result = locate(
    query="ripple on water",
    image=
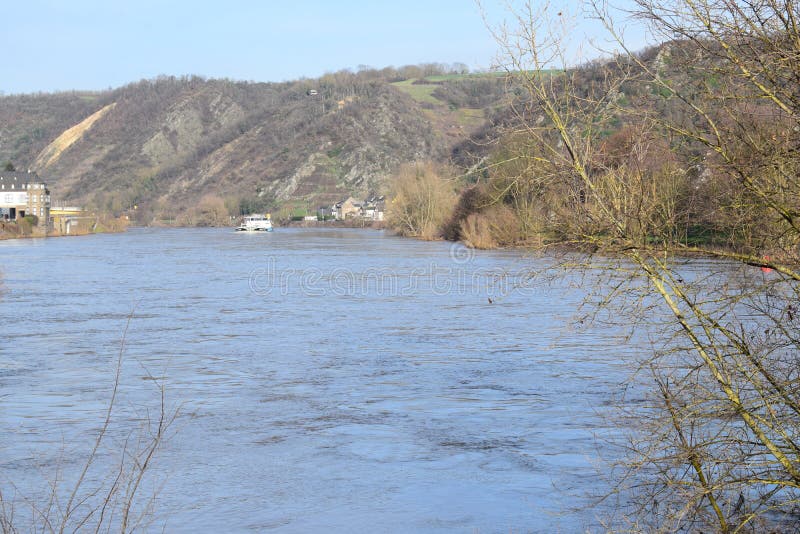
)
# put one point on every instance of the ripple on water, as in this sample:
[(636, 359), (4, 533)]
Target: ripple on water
[(308, 410)]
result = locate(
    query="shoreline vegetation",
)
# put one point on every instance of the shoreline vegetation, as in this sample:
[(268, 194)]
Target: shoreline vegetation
[(518, 201), (637, 187), (472, 233)]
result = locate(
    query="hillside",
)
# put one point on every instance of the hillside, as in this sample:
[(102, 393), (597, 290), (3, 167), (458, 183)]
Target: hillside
[(169, 144)]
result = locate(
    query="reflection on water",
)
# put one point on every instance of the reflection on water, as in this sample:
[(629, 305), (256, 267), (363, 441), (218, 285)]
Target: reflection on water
[(328, 379)]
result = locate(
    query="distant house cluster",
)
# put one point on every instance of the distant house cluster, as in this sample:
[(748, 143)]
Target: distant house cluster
[(23, 194), (370, 209)]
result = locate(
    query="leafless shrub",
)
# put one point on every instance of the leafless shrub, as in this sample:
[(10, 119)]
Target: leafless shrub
[(422, 200), (102, 497), (475, 232)]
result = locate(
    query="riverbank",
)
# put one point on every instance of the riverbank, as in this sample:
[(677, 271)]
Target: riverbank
[(349, 223), (102, 225)]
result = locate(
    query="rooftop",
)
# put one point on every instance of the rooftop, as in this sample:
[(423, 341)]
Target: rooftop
[(19, 179)]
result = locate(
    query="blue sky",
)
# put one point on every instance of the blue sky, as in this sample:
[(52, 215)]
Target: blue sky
[(50, 45)]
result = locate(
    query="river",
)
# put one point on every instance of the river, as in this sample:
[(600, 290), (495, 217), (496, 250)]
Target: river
[(325, 380)]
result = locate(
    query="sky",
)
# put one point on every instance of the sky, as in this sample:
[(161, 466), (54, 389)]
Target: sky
[(58, 45)]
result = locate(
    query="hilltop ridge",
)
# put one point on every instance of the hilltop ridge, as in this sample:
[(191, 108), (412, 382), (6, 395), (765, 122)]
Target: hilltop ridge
[(169, 144)]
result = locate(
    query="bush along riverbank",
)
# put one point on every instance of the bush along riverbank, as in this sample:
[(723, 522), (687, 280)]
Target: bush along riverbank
[(636, 190)]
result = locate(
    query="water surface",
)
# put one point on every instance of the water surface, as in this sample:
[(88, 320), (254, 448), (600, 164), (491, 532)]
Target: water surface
[(336, 380)]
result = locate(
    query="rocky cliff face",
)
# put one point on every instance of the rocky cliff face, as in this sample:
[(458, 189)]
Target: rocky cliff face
[(165, 144)]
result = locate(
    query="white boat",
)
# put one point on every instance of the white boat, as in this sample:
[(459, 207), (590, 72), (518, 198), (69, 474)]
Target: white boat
[(255, 223)]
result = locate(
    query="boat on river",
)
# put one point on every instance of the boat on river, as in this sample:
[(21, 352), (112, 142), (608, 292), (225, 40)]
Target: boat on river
[(255, 223)]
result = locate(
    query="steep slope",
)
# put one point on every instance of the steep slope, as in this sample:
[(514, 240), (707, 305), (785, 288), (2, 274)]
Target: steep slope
[(301, 152), (28, 123), (164, 145), (51, 153)]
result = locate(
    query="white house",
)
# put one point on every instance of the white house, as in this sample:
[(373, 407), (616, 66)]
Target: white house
[(23, 194)]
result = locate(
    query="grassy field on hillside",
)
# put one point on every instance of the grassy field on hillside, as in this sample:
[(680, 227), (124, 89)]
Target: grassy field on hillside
[(419, 92), (451, 77), (423, 92)]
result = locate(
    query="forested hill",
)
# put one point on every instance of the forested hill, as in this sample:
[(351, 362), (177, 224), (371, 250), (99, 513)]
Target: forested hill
[(169, 144)]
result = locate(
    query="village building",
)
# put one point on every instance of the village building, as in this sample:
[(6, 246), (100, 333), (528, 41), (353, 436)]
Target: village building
[(347, 208), (24, 193), (371, 209), (374, 208)]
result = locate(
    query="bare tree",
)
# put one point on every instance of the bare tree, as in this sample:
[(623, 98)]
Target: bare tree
[(719, 443)]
